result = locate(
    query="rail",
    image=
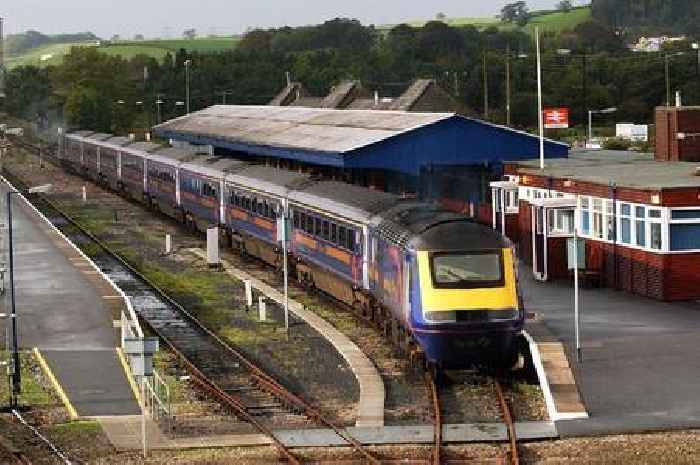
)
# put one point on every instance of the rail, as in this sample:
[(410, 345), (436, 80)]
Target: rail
[(508, 419)]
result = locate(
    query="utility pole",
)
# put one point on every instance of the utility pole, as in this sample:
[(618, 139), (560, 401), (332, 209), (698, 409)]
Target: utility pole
[(584, 78), (539, 96), (2, 59), (508, 85), (668, 80), (187, 84), (486, 89)]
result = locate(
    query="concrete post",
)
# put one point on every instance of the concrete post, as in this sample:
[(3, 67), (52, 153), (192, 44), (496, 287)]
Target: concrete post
[(213, 247), (168, 244), (262, 308), (248, 292), (84, 194)]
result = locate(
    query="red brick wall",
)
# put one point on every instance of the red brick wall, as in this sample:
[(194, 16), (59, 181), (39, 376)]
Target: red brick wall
[(671, 121)]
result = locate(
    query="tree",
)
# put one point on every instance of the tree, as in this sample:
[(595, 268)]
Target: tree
[(565, 5), (515, 13), (189, 33)]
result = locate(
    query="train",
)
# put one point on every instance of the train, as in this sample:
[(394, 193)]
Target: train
[(441, 286)]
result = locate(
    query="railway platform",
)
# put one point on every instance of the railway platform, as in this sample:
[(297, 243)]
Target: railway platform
[(66, 310), (640, 368)]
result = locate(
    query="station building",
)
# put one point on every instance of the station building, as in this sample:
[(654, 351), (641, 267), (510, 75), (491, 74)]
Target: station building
[(439, 156), (638, 213)]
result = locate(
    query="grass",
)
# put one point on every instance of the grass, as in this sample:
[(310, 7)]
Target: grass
[(34, 392), (557, 21), (53, 54), (43, 56)]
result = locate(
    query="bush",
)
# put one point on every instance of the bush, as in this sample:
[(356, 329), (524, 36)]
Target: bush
[(617, 143)]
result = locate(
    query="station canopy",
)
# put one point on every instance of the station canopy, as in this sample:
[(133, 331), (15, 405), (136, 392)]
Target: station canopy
[(394, 140)]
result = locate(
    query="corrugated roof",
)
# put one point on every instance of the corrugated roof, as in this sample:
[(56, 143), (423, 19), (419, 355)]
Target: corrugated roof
[(321, 130)]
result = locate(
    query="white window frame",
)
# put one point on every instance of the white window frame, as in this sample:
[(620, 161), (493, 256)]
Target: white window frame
[(664, 221), (670, 221)]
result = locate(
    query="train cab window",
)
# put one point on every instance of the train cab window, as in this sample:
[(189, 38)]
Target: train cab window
[(326, 230), (467, 270), (334, 233)]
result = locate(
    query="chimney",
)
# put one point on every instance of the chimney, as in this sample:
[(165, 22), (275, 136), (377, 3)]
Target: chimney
[(376, 98)]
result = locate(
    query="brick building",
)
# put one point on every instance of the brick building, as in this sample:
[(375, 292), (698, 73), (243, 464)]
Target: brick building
[(640, 218)]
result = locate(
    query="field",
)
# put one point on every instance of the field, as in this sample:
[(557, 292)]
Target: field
[(549, 21), (53, 54), (42, 56)]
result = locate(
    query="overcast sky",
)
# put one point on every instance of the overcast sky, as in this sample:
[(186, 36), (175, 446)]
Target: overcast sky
[(155, 18)]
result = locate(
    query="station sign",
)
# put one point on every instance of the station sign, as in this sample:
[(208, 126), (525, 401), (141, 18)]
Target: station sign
[(556, 118)]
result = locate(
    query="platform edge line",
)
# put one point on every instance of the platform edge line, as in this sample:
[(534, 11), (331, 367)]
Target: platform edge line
[(72, 413), (542, 376), (129, 376)]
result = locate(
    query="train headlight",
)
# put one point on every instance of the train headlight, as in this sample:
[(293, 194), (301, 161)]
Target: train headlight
[(441, 317)]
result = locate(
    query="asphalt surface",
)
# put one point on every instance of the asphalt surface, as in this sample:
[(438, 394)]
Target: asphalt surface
[(640, 367), (60, 312)]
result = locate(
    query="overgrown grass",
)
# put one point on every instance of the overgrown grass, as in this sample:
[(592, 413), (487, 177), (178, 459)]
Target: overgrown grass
[(34, 392)]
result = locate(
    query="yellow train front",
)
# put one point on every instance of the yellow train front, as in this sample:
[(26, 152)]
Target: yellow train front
[(455, 290)]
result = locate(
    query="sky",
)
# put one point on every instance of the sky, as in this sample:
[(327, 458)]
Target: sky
[(160, 18)]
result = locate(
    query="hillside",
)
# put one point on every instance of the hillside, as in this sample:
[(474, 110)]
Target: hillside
[(52, 54), (550, 21)]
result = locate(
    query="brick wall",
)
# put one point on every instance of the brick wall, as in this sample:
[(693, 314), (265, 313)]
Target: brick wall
[(669, 122)]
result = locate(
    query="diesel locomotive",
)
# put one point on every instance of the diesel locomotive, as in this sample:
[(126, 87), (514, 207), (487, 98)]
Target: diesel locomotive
[(440, 285)]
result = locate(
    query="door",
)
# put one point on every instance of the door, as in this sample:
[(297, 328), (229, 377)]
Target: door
[(539, 241)]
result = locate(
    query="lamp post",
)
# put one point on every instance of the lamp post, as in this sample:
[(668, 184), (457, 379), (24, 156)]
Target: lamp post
[(606, 111), (159, 102), (15, 365), (667, 62), (187, 84)]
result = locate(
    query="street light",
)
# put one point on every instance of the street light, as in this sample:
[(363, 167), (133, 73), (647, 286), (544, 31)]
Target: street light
[(187, 83), (605, 111), (667, 60), (15, 365)]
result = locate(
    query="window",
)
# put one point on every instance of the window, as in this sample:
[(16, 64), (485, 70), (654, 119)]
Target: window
[(467, 270), (685, 237), (326, 230), (295, 216), (342, 236), (625, 223), (334, 233), (319, 228), (610, 220), (640, 226), (585, 216), (598, 218), (655, 233), (685, 214), (561, 221)]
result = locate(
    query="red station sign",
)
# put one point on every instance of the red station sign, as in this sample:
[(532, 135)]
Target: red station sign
[(556, 118)]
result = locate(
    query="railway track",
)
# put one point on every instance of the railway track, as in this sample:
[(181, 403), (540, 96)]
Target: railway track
[(234, 397), (437, 458), (221, 371)]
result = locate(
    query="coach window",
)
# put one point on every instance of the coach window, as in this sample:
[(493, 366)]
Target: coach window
[(342, 236), (334, 233), (319, 227), (326, 230)]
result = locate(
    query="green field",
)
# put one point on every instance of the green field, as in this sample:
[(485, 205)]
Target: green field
[(549, 22), (42, 56), (53, 54)]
